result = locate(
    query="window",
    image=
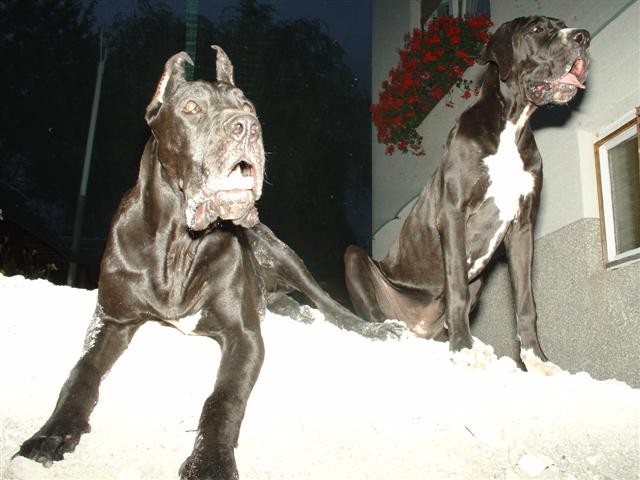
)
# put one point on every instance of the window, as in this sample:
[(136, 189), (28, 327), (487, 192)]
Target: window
[(618, 178), (457, 8)]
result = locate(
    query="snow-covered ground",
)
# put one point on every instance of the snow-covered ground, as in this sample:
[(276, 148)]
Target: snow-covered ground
[(328, 405)]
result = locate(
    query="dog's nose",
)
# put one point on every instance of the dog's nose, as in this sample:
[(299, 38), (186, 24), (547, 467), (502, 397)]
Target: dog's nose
[(244, 126), (581, 37)]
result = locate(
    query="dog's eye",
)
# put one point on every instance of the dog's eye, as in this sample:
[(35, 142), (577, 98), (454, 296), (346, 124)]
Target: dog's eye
[(537, 29), (191, 107), (247, 107)]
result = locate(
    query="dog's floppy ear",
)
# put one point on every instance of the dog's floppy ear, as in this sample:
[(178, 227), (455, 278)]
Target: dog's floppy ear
[(224, 69), (499, 50), (172, 76)]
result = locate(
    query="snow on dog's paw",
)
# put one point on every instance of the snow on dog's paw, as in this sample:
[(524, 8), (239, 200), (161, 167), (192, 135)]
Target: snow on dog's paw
[(536, 365), (399, 328), (479, 356), (389, 330)]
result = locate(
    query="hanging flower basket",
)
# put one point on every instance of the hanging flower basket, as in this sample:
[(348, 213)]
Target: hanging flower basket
[(433, 60)]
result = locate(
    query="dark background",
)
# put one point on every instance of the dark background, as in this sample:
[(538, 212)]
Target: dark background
[(312, 105)]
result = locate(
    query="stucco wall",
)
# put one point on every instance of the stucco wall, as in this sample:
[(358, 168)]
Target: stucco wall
[(588, 317)]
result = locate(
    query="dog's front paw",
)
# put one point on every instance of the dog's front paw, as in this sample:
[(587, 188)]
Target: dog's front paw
[(387, 330), (479, 356), (52, 442), (217, 465), (535, 364)]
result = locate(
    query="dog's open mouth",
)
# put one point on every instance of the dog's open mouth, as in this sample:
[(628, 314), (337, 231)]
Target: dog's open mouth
[(575, 75), (241, 177), (563, 88), (231, 197)]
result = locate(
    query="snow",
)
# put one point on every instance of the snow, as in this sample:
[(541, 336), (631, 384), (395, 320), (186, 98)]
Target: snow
[(328, 405)]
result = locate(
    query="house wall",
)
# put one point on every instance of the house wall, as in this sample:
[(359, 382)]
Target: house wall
[(395, 179), (588, 316)]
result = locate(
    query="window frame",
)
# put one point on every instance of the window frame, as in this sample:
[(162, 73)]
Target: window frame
[(611, 258), (430, 9)]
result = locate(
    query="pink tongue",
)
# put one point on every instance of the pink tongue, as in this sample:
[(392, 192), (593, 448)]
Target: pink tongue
[(571, 79)]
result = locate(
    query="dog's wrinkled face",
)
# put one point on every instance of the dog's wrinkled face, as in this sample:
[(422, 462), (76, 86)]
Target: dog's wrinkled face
[(210, 140), (541, 57)]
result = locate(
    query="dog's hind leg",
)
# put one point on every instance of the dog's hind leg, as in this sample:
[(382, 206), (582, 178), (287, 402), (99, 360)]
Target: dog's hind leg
[(105, 342), (357, 274)]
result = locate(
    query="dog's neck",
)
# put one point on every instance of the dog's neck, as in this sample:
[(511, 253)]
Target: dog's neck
[(515, 108), (156, 197)]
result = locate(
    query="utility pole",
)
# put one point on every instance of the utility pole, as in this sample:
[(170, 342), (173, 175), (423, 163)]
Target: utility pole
[(191, 34), (82, 195)]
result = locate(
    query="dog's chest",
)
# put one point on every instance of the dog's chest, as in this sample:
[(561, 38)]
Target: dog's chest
[(508, 181)]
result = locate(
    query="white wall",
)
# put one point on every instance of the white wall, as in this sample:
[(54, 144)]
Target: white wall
[(613, 89), (397, 178)]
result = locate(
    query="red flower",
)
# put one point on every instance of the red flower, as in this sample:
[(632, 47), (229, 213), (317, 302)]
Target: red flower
[(432, 40), (432, 62), (452, 30), (430, 56), (480, 22)]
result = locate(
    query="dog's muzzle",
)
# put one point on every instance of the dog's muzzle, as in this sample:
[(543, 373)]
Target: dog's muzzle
[(231, 192), (564, 86)]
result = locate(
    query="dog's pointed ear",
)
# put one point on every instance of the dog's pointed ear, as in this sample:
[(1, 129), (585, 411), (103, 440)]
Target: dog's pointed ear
[(172, 76), (224, 69), (499, 50)]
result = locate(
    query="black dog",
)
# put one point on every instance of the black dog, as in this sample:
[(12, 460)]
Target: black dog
[(186, 248), (484, 192)]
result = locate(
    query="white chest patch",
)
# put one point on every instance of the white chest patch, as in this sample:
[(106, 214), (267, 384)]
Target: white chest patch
[(508, 179), (188, 324), (508, 183)]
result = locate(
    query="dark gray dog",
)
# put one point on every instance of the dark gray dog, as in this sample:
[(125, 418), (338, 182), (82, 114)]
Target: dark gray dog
[(186, 248), (484, 192)]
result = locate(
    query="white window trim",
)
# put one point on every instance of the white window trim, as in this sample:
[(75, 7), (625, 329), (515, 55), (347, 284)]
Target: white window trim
[(612, 139)]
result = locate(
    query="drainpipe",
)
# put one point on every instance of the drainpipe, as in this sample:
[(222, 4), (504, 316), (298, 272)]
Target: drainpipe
[(82, 195)]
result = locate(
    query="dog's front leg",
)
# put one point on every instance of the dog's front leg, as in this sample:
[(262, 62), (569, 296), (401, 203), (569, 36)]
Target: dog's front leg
[(456, 291), (519, 247), (105, 342), (283, 269), (222, 414)]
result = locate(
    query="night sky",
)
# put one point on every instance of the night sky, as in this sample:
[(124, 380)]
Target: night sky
[(348, 21)]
